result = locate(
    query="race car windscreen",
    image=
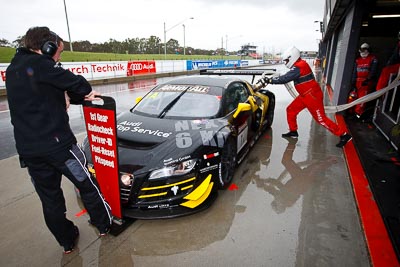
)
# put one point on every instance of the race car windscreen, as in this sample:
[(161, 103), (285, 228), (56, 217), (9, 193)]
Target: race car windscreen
[(181, 101)]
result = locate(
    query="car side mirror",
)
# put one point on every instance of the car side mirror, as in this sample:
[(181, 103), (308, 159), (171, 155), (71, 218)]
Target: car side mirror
[(241, 107), (252, 102)]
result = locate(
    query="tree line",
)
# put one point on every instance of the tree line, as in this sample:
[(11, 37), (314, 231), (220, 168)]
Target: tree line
[(151, 45)]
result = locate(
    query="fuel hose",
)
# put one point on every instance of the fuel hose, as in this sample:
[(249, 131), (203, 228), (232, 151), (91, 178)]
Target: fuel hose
[(364, 99)]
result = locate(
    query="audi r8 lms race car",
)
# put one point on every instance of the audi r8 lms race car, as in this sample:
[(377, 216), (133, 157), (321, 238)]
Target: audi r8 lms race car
[(179, 145)]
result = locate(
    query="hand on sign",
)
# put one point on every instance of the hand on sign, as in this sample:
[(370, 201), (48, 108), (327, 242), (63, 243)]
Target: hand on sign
[(92, 96)]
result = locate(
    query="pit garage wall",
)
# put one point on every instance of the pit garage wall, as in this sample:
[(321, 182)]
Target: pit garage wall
[(341, 54), (117, 69), (342, 40)]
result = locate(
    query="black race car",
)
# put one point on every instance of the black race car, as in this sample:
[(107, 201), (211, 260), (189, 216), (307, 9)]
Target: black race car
[(181, 142)]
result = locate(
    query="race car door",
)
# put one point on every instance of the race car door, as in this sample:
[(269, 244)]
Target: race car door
[(235, 94)]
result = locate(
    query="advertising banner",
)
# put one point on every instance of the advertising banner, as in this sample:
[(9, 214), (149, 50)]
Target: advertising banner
[(3, 68), (140, 67), (100, 120), (98, 70), (212, 64)]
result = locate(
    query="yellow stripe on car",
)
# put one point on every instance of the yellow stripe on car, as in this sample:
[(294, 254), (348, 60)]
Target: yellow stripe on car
[(168, 185), (153, 195)]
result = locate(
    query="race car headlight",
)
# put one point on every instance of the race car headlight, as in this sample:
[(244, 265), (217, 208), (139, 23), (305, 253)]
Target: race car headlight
[(175, 169), (126, 178)]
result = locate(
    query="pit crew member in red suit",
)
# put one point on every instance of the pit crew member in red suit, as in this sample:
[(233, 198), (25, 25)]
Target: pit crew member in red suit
[(364, 75), (310, 96)]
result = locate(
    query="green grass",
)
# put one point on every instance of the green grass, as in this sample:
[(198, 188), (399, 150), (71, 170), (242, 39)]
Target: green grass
[(6, 54)]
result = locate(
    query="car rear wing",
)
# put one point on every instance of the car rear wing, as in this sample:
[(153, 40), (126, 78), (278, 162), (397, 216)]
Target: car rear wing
[(253, 72)]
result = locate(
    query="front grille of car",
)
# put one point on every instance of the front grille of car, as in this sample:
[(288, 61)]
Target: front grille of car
[(125, 192), (168, 189)]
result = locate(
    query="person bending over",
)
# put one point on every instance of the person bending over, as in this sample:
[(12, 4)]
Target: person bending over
[(310, 96)]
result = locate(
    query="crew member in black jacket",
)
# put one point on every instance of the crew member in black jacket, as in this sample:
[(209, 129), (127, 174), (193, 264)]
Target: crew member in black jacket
[(39, 91)]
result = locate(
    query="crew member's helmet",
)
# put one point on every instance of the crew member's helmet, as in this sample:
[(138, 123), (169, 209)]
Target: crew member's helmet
[(290, 56), (364, 50), (364, 46)]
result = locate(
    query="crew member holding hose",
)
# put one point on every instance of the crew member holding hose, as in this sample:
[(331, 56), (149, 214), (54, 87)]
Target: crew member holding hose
[(310, 96)]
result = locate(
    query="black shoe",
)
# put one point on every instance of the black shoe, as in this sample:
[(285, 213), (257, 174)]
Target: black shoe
[(105, 231), (344, 138), (69, 248), (291, 134)]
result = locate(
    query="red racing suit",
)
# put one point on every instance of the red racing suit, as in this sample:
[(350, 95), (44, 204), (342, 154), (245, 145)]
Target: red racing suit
[(310, 97), (364, 74), (384, 78)]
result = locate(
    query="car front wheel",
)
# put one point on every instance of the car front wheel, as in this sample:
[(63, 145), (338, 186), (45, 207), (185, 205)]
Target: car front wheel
[(228, 163), (270, 111)]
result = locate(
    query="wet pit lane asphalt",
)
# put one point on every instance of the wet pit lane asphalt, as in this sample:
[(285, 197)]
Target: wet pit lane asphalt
[(291, 205)]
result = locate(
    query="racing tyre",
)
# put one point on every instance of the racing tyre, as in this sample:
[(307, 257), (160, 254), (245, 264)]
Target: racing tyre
[(269, 117), (228, 163)]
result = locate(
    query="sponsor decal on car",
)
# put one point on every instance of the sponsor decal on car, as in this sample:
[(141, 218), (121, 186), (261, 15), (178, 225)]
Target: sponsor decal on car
[(135, 127), (183, 128), (188, 88), (242, 136), (173, 161), (175, 189), (208, 136), (158, 206), (210, 156), (209, 168)]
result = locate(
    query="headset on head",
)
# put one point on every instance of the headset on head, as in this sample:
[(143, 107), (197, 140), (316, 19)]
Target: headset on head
[(50, 47)]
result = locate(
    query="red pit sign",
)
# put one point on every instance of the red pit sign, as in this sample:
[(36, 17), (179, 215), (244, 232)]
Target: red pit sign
[(101, 131)]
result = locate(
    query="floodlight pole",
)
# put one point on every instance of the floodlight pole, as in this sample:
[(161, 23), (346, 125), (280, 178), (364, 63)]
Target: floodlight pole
[(69, 35), (184, 45), (165, 42), (165, 35)]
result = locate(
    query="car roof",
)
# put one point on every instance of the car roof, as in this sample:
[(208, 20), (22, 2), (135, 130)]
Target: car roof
[(208, 80)]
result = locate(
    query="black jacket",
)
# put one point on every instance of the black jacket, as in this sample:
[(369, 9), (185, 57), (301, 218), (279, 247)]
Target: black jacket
[(35, 87)]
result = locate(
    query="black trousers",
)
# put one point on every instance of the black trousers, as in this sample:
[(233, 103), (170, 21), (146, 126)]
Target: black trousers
[(46, 173)]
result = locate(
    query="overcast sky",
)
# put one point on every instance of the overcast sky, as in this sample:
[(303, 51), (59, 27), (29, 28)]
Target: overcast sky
[(271, 25)]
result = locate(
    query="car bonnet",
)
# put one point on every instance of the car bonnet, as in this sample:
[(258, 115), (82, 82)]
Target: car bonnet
[(154, 139)]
